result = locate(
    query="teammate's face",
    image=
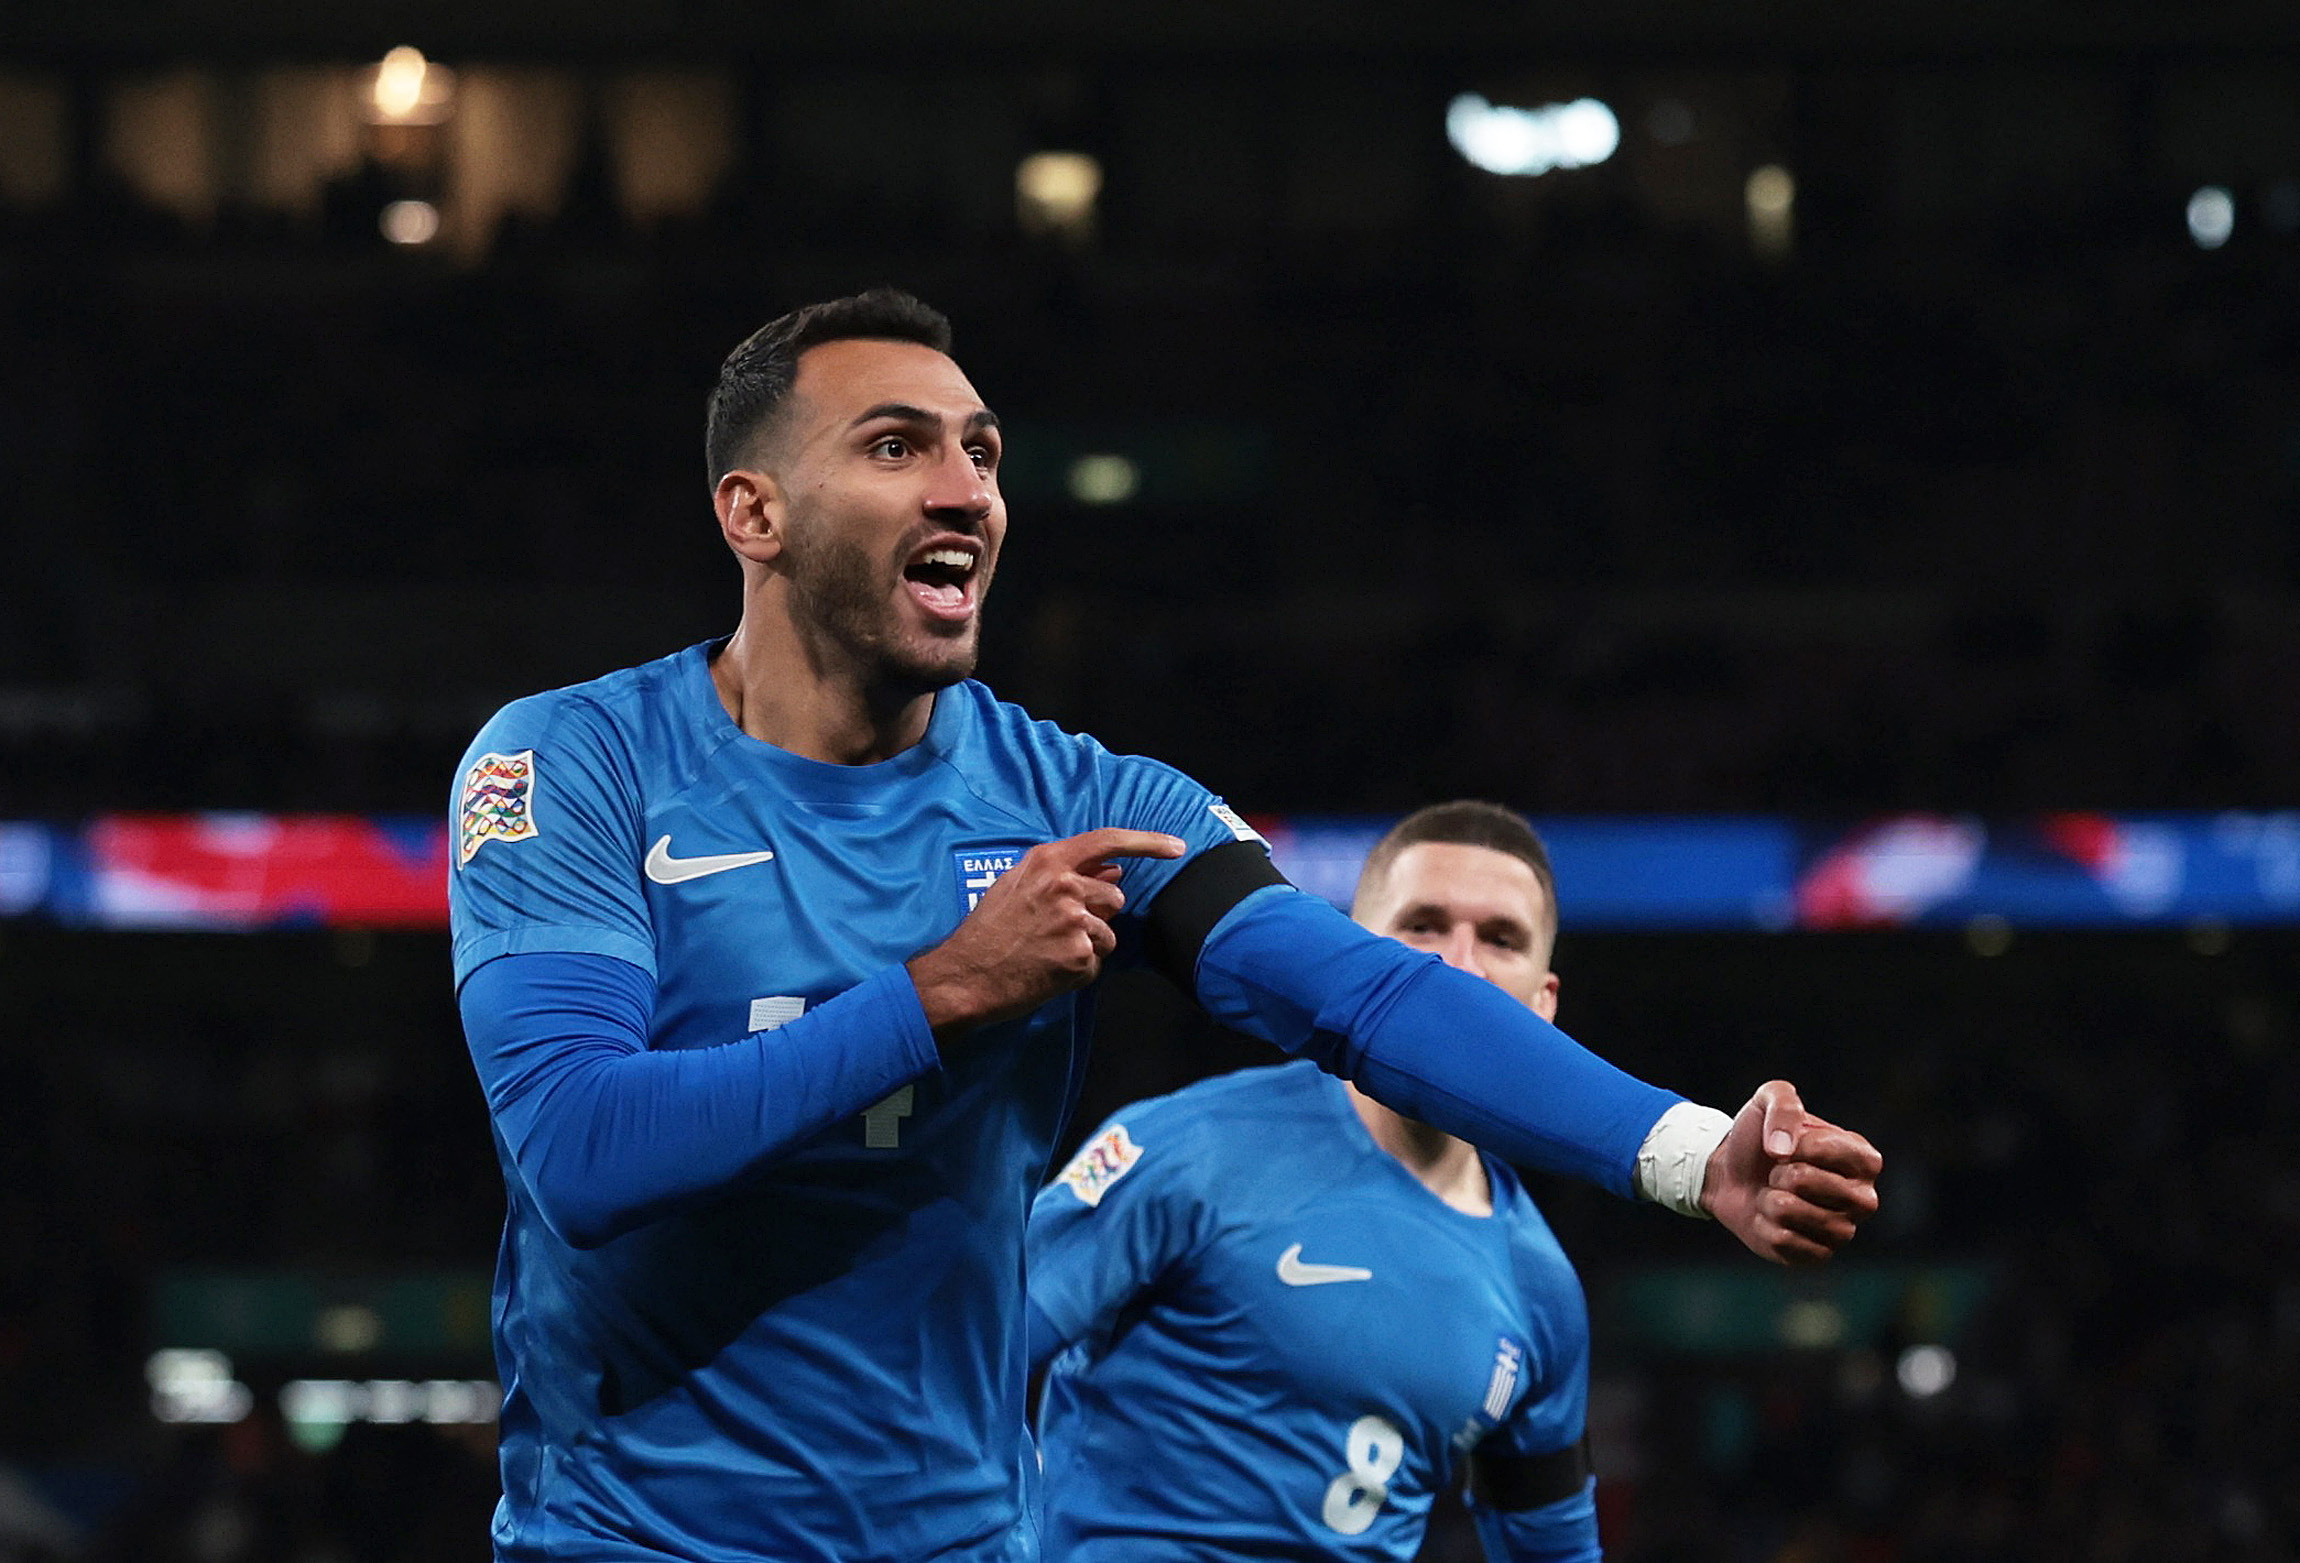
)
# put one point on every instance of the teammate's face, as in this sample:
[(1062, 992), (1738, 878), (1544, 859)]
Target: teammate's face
[(1477, 909), (892, 515)]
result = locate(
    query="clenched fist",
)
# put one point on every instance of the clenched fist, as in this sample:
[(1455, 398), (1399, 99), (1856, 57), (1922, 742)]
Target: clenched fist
[(1790, 1185)]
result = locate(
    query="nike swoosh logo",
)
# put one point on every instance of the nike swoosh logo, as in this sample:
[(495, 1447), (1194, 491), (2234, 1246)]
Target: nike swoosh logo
[(665, 869), (1294, 1272)]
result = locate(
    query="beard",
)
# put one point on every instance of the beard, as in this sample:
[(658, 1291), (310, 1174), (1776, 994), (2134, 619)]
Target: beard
[(846, 612)]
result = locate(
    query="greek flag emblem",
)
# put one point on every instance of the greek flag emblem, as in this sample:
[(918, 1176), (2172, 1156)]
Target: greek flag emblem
[(978, 868)]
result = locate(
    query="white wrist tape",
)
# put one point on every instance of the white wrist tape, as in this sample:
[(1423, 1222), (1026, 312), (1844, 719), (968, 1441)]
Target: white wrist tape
[(1673, 1162)]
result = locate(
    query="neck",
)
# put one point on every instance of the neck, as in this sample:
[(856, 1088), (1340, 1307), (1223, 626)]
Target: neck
[(1447, 1167), (811, 698)]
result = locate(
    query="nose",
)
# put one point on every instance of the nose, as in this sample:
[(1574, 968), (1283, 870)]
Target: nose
[(1460, 950), (958, 492)]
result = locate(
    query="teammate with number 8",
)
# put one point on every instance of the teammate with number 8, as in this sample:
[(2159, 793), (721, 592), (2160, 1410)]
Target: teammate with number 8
[(1292, 1314)]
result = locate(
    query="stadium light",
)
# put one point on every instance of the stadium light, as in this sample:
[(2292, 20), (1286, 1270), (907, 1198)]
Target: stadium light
[(1104, 480), (1771, 197), (348, 1327), (1925, 1371), (410, 222), (2211, 216), (1055, 192), (317, 1410), (407, 89), (1530, 142), (195, 1386), (1812, 1324)]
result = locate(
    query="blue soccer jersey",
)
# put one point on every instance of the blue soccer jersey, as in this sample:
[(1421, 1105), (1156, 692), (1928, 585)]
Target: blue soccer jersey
[(1282, 1344), (815, 1353)]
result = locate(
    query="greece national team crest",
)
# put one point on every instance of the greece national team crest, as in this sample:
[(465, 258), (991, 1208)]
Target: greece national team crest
[(978, 868), (498, 802), (1099, 1163), (1500, 1391)]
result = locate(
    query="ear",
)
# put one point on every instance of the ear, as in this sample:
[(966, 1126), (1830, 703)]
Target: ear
[(751, 513), (1545, 997)]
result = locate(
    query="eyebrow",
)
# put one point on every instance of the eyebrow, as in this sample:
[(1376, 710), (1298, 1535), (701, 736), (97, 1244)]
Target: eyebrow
[(904, 412)]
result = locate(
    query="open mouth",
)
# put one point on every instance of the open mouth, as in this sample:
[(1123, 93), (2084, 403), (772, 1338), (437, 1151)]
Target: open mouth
[(942, 579)]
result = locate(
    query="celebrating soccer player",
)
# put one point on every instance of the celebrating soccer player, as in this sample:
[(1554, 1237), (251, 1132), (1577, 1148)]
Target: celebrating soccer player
[(1292, 1312), (770, 954)]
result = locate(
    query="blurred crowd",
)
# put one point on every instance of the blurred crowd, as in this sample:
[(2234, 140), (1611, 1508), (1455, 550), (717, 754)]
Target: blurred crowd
[(1594, 514)]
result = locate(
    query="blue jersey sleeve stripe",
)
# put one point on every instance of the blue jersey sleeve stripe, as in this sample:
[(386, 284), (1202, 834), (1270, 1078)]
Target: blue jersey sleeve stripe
[(550, 939), (1287, 967)]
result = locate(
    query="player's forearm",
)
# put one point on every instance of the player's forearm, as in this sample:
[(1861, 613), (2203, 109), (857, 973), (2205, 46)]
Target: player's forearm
[(608, 1135), (1433, 1043)]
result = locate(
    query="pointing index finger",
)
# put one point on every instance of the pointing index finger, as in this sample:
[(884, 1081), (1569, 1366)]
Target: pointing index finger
[(1094, 846)]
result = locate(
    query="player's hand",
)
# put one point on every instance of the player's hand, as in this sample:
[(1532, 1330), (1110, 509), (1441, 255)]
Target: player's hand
[(1791, 1185), (1042, 929)]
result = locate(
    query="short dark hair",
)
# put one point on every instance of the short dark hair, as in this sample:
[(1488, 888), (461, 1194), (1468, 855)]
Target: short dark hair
[(1466, 822), (755, 381)]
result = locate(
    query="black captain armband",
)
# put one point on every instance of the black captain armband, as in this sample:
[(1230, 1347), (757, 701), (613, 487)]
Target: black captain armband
[(1529, 1481), (1197, 898)]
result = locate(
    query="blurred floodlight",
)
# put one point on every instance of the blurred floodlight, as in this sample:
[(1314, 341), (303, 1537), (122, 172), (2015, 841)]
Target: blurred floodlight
[(1924, 1371), (1771, 196), (410, 222), (195, 1386), (348, 1327), (1772, 191), (1812, 1323), (1104, 480), (1055, 192), (327, 1403), (407, 89), (2211, 216), (1504, 140)]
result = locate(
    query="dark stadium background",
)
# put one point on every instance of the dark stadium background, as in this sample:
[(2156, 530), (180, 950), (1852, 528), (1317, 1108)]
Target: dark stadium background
[(1965, 481)]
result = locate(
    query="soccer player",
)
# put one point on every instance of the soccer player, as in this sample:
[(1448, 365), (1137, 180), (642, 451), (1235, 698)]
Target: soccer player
[(770, 957), (1287, 1314)]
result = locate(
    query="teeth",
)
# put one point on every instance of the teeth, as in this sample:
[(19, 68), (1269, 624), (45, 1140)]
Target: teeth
[(956, 558)]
